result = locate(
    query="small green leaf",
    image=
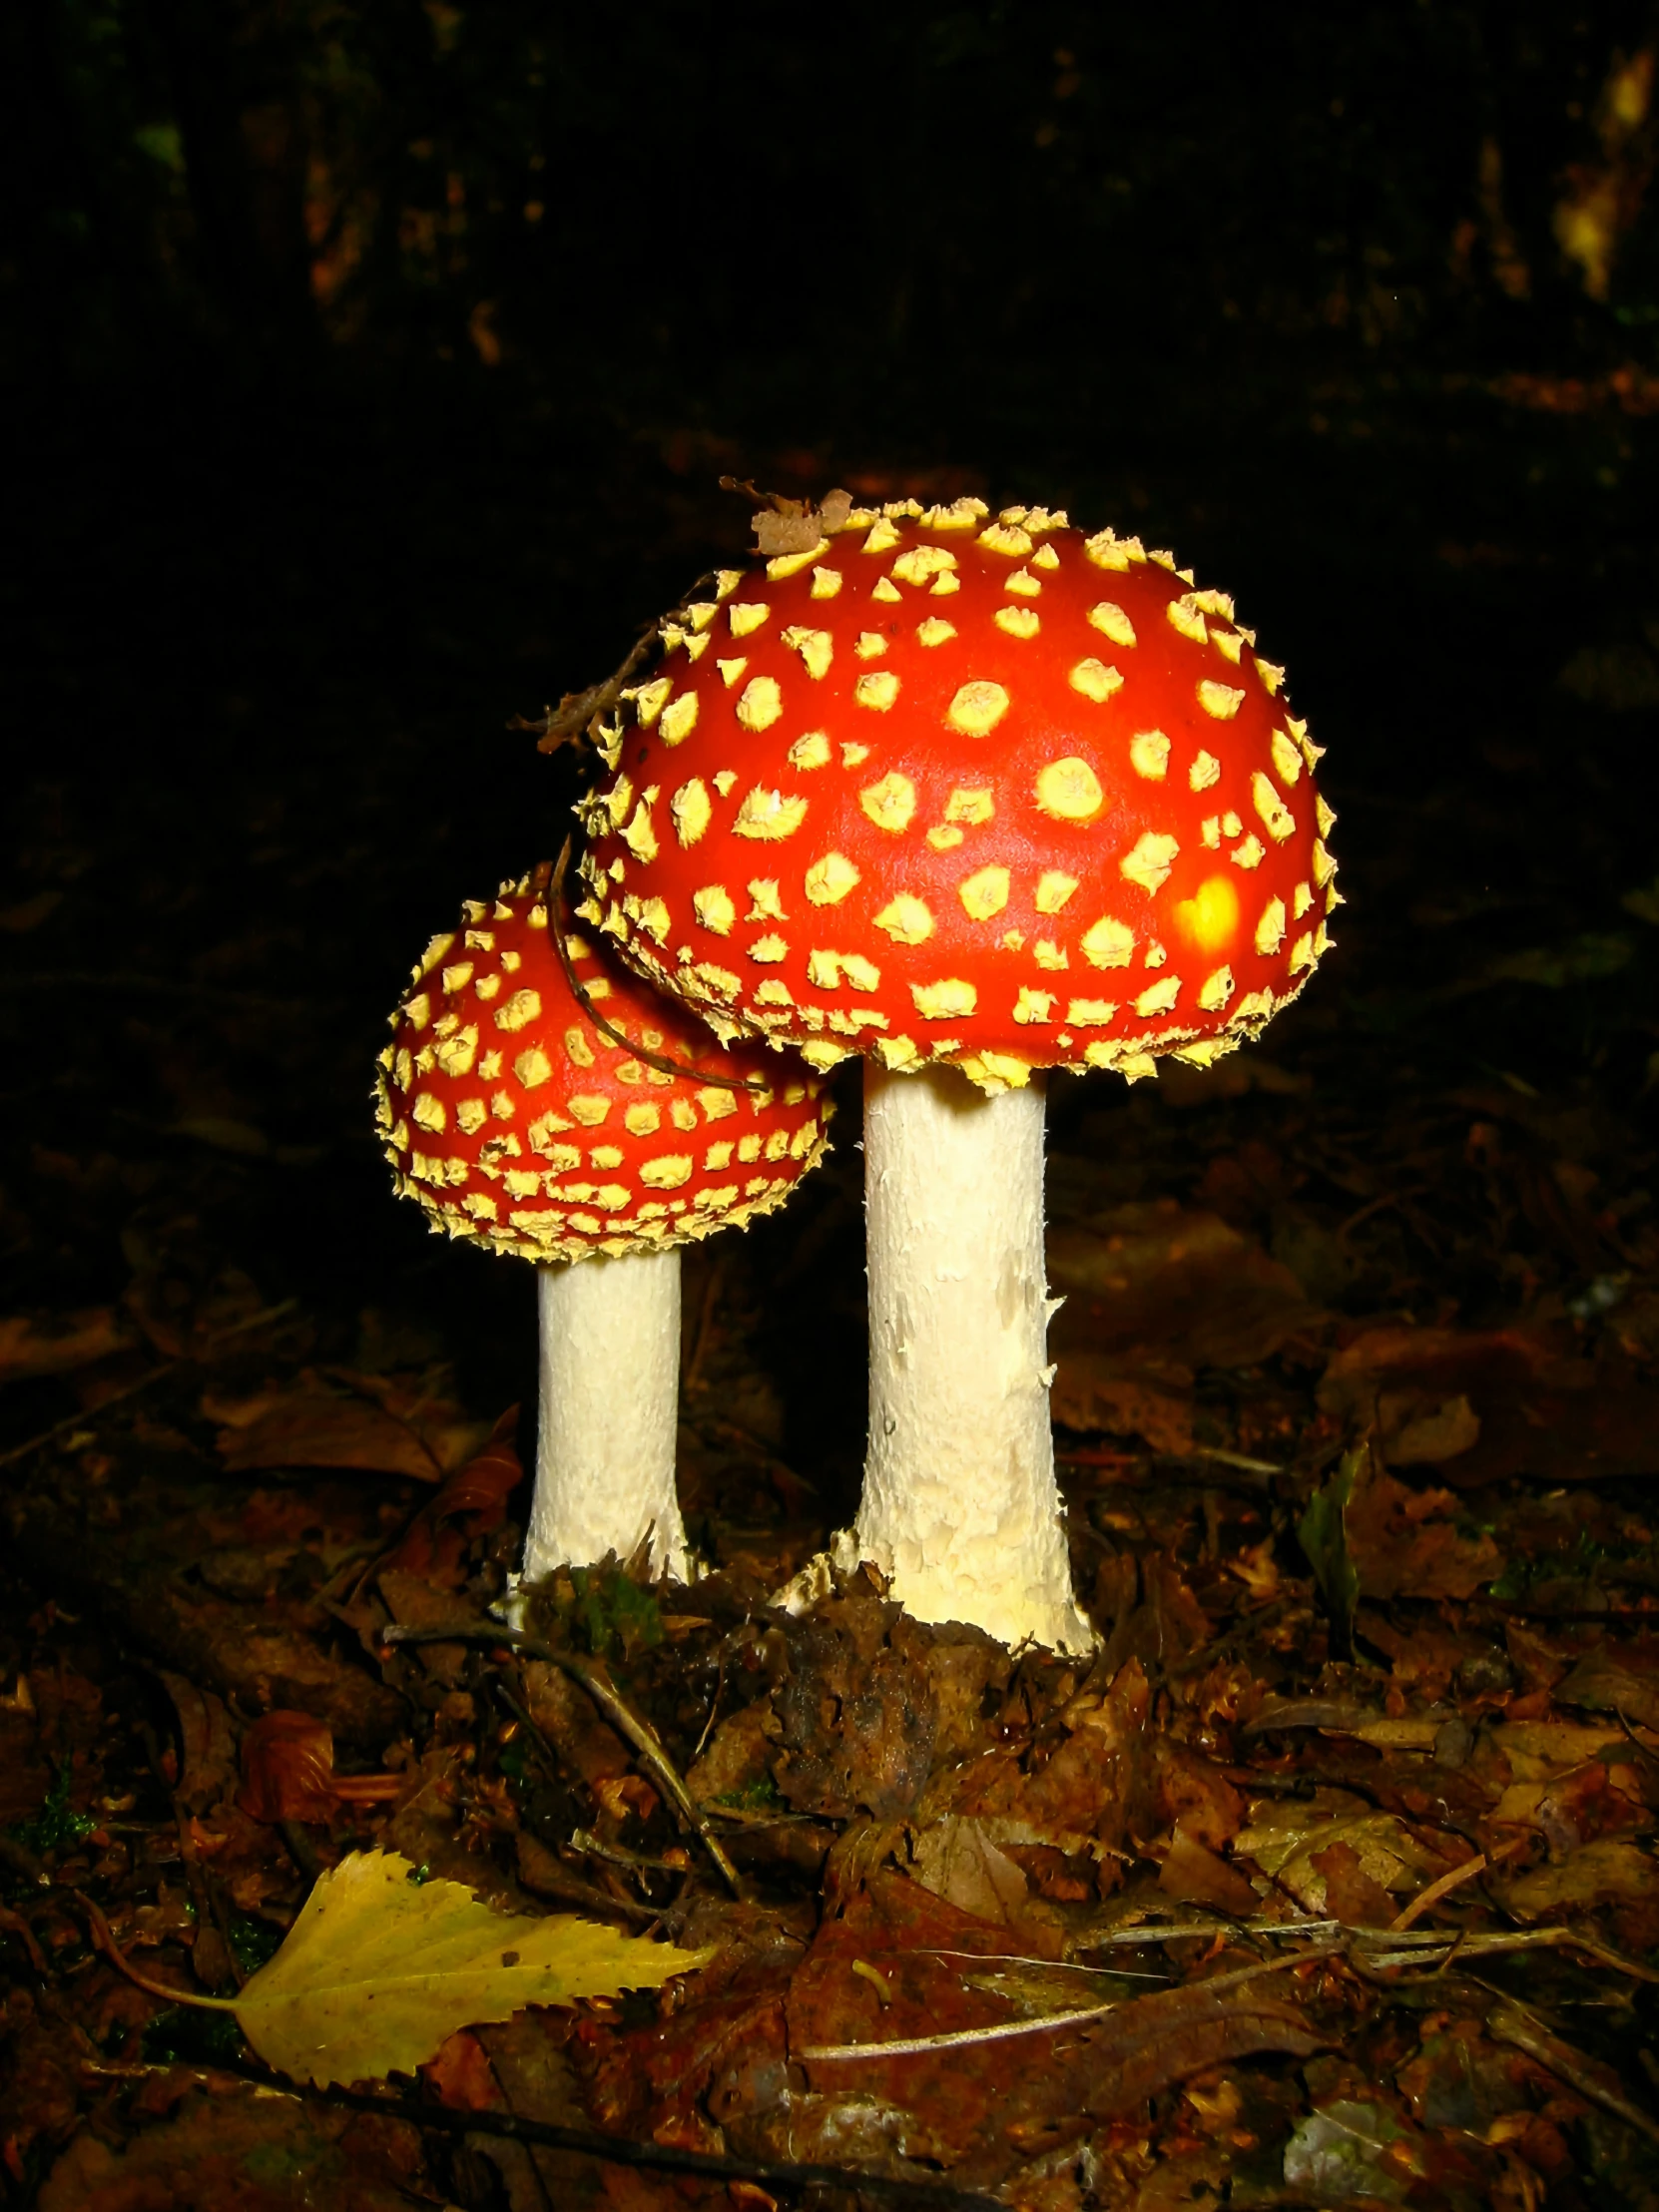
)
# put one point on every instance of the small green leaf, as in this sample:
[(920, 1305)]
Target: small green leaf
[(1322, 1535)]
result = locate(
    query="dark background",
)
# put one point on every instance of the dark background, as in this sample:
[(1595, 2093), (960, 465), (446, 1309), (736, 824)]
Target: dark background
[(367, 373)]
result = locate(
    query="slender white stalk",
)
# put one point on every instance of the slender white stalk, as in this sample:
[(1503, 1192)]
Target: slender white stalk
[(609, 1408), (960, 1507)]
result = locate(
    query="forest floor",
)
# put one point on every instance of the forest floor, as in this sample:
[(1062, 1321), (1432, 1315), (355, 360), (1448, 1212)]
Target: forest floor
[(1343, 1839)]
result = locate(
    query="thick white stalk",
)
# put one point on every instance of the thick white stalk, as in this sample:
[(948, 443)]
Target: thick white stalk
[(960, 1507), (609, 1408)]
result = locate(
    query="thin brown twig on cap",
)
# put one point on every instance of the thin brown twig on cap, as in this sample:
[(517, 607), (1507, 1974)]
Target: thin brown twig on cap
[(658, 1060)]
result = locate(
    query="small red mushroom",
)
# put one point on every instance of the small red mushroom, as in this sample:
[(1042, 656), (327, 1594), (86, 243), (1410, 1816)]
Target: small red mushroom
[(520, 1123), (975, 796)]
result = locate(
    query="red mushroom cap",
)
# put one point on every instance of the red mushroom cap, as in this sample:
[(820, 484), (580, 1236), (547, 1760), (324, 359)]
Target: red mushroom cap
[(996, 794), (515, 1120)]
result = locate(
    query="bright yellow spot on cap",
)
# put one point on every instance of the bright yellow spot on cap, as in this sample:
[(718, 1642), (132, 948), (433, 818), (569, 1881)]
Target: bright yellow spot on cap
[(651, 699), (945, 1001), (746, 615), (1109, 943), (854, 756), (456, 978), (879, 690), (984, 894), (1054, 888), (826, 971), (428, 1112), (905, 918), (828, 880), (1271, 676), (643, 1121), (761, 704), (1149, 863), (1324, 866), (1270, 931), (667, 1172), (825, 582), (1094, 680), (935, 631), (455, 1054), (1322, 815), (1110, 620), (1091, 1013), (890, 802), (1302, 901), (1210, 918), (816, 647), (1149, 755), (1220, 700), (590, 1111), (882, 537), (521, 1009), (1184, 615), (1033, 1005), (769, 815), (769, 948), (1018, 622), (942, 840), (1215, 990), (471, 1113), (1023, 584), (896, 1052), (1069, 791), (1276, 818), (1002, 538), (714, 909), (977, 708), (768, 906), (972, 807), (921, 562), (1158, 998), (871, 645), (883, 588), (812, 751), (1248, 854), (679, 720), (1049, 955), (691, 810)]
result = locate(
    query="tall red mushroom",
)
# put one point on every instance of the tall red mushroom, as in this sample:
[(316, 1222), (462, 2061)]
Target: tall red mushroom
[(973, 799), (593, 1130)]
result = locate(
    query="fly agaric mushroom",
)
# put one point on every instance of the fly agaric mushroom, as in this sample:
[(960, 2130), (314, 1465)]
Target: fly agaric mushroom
[(609, 1134), (977, 797)]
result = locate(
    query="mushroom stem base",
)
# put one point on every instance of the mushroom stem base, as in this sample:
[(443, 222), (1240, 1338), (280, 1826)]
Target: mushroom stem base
[(607, 1414), (960, 1509)]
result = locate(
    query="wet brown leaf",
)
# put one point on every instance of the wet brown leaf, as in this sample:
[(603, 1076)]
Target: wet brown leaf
[(1174, 1281), (59, 1343), (302, 1431), (1406, 1543)]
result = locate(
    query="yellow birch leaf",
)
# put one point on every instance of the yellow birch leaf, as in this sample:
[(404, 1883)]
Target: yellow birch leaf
[(378, 1971)]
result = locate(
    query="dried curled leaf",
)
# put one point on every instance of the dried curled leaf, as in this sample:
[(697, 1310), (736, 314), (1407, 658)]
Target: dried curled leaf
[(378, 1970)]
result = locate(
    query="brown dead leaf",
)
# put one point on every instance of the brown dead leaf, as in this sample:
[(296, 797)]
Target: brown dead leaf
[(958, 1861), (1623, 1681), (1291, 1841), (303, 1430), (1094, 1389), (1404, 1543), (1194, 1875), (1488, 1406), (287, 1763), (1608, 1870), (472, 1501), (248, 2148), (56, 1343), (207, 1749), (1174, 1281)]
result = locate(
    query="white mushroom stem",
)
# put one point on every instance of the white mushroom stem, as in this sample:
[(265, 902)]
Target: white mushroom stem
[(960, 1508), (608, 1412)]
